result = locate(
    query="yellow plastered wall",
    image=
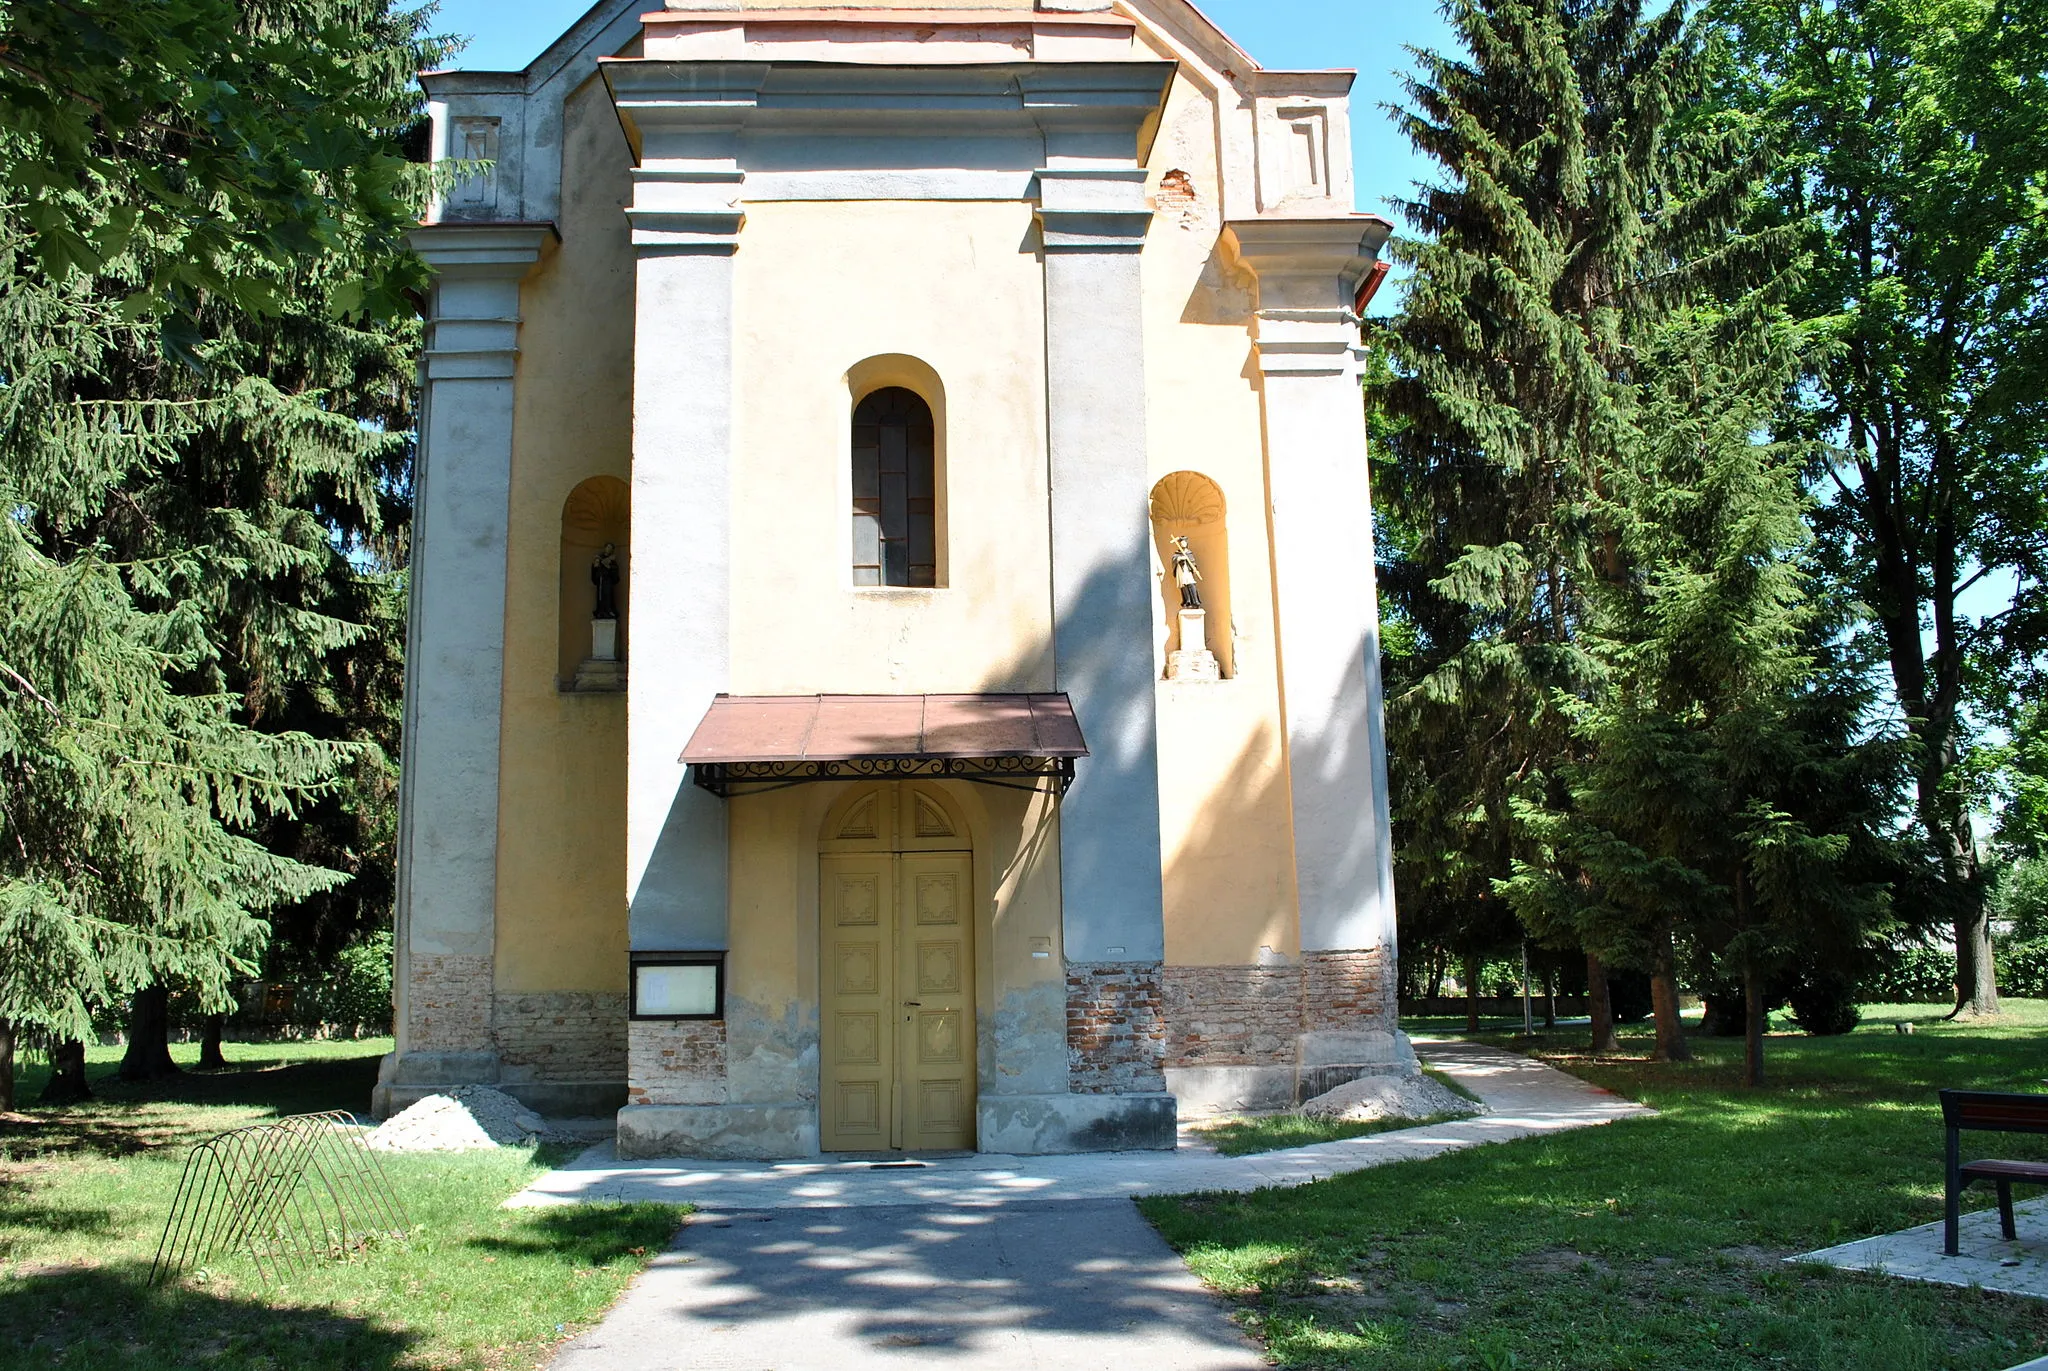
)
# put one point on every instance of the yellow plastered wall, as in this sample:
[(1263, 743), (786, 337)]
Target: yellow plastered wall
[(1225, 819), (821, 288), (562, 777)]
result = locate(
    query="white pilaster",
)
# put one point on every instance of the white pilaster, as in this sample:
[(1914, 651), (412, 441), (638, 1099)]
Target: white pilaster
[(455, 651), (1308, 358), (685, 222), (1093, 218)]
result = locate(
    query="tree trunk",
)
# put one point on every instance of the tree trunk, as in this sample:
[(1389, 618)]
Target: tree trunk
[(6, 1066), (1752, 1025), (1671, 1043), (1550, 997), (1600, 1006), (1437, 962), (67, 1075), (210, 1058), (149, 1036), (1471, 970), (1976, 972)]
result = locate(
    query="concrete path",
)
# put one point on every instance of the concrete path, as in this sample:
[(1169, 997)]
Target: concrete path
[(1054, 1287), (979, 1263), (1984, 1258), (1524, 1097)]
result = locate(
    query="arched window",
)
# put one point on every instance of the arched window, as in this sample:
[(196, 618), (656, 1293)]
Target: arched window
[(895, 490)]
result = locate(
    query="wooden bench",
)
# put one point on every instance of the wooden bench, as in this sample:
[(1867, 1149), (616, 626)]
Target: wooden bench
[(1988, 1111)]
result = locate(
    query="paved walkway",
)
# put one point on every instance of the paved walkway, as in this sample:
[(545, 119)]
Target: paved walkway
[(1984, 1257), (1524, 1098), (979, 1263)]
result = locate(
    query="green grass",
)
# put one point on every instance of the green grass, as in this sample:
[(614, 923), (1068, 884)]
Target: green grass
[(1242, 1134), (84, 1192), (1651, 1244)]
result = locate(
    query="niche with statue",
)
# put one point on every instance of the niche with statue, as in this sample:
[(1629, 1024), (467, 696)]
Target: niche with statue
[(596, 520), (1189, 536)]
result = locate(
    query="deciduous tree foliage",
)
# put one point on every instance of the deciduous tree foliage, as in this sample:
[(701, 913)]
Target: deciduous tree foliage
[(1915, 143), (203, 401)]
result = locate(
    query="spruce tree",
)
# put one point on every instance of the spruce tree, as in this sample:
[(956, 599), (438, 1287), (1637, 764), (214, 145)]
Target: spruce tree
[(1584, 196), (1729, 782), (204, 373)]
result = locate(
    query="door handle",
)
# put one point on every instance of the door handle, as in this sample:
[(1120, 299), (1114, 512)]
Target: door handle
[(919, 1004)]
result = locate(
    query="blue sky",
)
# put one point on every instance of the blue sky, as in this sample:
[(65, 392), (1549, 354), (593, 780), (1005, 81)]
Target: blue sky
[(507, 34)]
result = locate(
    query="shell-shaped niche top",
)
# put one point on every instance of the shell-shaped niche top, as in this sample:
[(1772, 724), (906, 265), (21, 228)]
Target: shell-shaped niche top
[(600, 507), (1187, 499)]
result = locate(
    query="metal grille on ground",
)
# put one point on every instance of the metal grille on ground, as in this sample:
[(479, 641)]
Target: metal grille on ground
[(283, 1194)]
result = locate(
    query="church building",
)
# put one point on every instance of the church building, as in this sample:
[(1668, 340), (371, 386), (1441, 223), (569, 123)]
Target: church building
[(894, 658)]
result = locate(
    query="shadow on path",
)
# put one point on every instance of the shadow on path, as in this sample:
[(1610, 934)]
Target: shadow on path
[(1053, 1286)]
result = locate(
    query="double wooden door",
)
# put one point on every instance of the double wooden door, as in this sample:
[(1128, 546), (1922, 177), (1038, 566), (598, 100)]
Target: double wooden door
[(896, 943)]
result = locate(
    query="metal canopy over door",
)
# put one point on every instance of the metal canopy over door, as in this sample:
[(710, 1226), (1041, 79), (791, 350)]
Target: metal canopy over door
[(896, 942)]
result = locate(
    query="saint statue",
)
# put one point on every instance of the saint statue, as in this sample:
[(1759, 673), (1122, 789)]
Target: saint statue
[(1186, 574), (604, 574)]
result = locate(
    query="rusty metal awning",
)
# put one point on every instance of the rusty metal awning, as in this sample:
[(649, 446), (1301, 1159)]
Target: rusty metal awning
[(750, 743)]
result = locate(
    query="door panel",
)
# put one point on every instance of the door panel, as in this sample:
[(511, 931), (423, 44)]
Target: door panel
[(936, 1028), (896, 947), (856, 1106)]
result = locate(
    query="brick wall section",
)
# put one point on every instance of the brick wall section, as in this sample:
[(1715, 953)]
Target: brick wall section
[(1232, 1015), (1252, 1015), (1347, 991), (448, 1003), (676, 1062), (1116, 1028), (562, 1036)]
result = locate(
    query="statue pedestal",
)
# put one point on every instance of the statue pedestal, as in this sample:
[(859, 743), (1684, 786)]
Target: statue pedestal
[(1193, 661), (602, 669)]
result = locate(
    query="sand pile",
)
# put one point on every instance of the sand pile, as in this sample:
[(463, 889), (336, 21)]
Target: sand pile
[(462, 1120), (1370, 1098)]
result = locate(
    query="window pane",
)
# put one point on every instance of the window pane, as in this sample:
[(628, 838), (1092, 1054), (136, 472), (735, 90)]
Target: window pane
[(894, 489), (865, 484), (867, 540), (676, 990)]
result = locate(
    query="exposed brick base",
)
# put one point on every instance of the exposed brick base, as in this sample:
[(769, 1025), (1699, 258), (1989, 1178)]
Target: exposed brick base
[(680, 1062), (448, 1004), (1348, 992), (1254, 1015), (562, 1036), (1116, 1028)]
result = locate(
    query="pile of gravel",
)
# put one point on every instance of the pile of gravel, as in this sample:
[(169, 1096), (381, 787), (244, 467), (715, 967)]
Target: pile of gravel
[(462, 1120), (1371, 1098)]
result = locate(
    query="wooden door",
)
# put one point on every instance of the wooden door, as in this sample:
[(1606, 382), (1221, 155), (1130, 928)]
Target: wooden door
[(856, 942), (935, 968)]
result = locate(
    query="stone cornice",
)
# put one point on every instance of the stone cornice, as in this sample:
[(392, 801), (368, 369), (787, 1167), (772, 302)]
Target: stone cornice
[(835, 130), (1308, 265), (1308, 272), (483, 250), (1092, 209), (473, 330)]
